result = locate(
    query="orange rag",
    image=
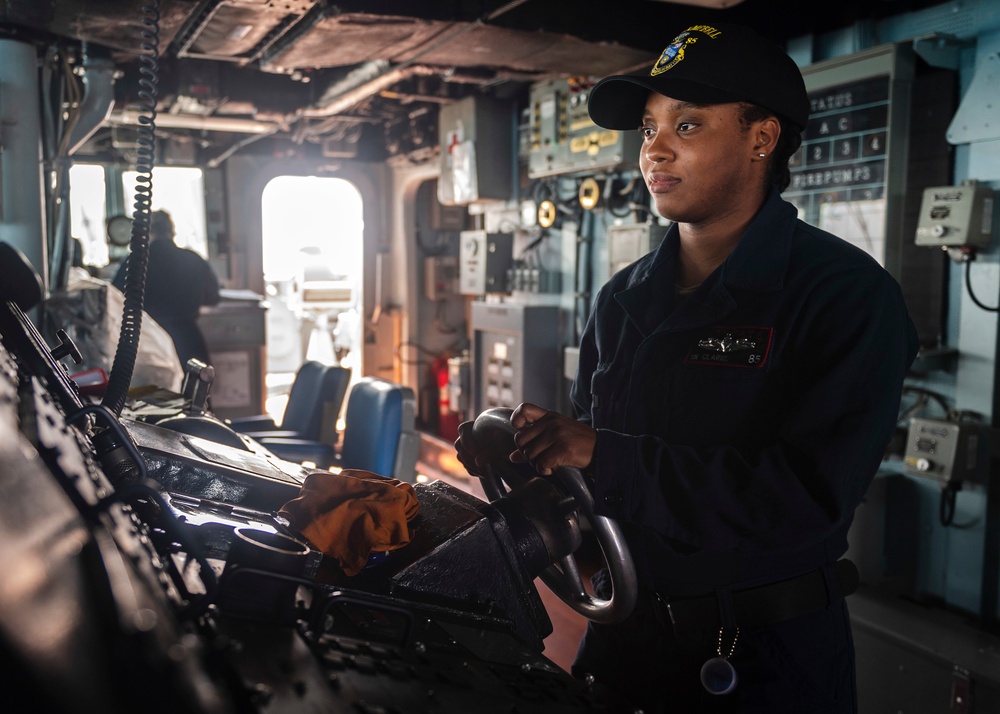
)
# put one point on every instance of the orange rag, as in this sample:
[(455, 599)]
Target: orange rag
[(352, 514)]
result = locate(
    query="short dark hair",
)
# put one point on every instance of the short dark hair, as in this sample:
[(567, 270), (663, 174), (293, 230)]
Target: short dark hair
[(161, 225), (788, 143)]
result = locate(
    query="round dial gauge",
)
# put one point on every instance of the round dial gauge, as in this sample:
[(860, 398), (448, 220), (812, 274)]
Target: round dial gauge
[(120, 230)]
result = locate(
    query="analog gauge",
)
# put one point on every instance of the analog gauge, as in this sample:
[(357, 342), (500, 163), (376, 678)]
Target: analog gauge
[(120, 230), (590, 193), (546, 214)]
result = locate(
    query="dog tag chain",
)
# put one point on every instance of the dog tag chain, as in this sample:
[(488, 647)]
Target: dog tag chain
[(718, 676)]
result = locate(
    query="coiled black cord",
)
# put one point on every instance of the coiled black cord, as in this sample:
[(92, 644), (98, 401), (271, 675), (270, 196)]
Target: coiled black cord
[(946, 506), (138, 257), (972, 295)]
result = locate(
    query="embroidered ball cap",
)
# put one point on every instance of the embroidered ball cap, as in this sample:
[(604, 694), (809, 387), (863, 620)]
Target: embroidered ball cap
[(707, 64)]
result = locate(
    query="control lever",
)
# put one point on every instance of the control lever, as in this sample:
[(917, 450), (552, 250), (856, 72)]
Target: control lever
[(196, 419), (198, 378), (66, 347)]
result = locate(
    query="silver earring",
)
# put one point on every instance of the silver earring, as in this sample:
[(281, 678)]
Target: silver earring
[(762, 155)]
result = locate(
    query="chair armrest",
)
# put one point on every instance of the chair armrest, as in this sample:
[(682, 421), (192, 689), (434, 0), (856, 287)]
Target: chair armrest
[(260, 422), (276, 434), (299, 450)]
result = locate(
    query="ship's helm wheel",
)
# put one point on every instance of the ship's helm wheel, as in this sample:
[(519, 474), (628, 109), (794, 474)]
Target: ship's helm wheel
[(493, 432)]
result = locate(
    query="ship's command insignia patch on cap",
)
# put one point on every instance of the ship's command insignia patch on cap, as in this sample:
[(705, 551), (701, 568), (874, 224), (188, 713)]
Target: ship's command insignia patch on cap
[(674, 52), (707, 64)]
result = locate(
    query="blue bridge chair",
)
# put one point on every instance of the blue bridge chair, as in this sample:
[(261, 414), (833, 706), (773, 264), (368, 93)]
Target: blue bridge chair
[(379, 433), (313, 407)]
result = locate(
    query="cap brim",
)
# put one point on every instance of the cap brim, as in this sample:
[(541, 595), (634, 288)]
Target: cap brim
[(618, 102)]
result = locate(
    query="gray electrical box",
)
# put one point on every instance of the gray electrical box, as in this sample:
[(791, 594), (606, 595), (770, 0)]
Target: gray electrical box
[(955, 216), (483, 261), (945, 451), (517, 355), (477, 151)]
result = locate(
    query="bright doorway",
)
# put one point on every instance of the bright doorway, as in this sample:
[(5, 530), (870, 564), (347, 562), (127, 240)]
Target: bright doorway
[(313, 232)]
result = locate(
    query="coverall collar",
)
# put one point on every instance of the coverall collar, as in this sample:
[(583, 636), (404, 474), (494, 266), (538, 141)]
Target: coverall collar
[(757, 264)]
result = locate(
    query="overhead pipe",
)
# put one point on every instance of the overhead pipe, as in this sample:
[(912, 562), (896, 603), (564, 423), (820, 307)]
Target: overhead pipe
[(129, 117), (348, 98), (357, 78)]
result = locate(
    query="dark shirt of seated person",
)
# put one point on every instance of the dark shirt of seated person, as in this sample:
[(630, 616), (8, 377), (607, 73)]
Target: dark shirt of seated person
[(178, 283)]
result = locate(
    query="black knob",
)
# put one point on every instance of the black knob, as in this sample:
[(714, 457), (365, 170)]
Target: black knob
[(66, 347)]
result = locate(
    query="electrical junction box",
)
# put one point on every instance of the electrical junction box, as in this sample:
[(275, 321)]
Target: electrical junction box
[(628, 243), (483, 261), (945, 451), (477, 151), (561, 137), (955, 216)]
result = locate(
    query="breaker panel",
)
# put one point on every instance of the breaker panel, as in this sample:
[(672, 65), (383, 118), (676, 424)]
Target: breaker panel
[(561, 138), (516, 355)]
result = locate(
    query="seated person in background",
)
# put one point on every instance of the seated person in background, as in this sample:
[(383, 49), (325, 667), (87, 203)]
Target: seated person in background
[(178, 283)]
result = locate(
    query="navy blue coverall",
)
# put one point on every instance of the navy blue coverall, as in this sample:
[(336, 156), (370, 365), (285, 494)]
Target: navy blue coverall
[(737, 431), (178, 283)]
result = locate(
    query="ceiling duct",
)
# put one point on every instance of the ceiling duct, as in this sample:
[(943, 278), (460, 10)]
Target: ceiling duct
[(98, 80), (375, 76), (241, 31)]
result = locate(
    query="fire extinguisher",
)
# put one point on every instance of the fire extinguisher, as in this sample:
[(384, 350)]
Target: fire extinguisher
[(447, 419)]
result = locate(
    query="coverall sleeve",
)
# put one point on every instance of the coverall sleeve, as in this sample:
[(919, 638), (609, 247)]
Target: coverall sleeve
[(209, 286), (806, 481)]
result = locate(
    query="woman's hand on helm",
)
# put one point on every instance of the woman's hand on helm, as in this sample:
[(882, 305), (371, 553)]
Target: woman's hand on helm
[(468, 450), (548, 439)]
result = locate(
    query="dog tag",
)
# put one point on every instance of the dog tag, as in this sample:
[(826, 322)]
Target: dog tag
[(718, 676)]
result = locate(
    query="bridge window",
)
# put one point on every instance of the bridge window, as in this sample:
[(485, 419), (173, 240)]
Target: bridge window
[(181, 192), (88, 212)]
